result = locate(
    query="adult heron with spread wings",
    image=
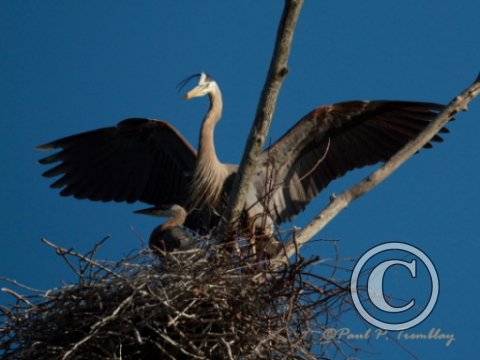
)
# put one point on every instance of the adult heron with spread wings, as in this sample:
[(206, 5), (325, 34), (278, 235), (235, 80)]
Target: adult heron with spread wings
[(150, 161)]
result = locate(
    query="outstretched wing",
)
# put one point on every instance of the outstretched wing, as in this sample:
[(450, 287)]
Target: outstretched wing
[(334, 139), (139, 159)]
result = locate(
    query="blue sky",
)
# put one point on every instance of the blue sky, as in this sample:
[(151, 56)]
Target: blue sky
[(73, 66)]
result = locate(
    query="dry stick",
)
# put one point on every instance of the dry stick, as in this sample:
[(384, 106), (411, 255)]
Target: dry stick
[(228, 347), (340, 202), (63, 252), (95, 327), (183, 313), (266, 107), (17, 295), (21, 285)]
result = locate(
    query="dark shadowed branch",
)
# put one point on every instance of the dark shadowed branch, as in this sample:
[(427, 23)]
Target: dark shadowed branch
[(459, 103), (265, 110)]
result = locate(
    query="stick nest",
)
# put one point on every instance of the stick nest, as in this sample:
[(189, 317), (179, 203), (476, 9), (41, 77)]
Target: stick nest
[(205, 303)]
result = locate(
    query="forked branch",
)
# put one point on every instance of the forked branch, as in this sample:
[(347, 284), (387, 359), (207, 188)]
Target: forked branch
[(340, 202), (265, 110)]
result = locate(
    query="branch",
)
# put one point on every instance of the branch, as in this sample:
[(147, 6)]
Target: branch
[(266, 107), (340, 202), (64, 252), (98, 325)]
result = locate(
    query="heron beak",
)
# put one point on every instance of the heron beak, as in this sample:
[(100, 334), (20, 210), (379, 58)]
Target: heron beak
[(148, 211), (193, 93), (154, 211)]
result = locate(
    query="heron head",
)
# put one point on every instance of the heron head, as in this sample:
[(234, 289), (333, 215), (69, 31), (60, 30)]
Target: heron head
[(206, 86)]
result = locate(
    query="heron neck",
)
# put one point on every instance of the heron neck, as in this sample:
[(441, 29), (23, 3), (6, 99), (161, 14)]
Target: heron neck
[(206, 151), (207, 184), (176, 220)]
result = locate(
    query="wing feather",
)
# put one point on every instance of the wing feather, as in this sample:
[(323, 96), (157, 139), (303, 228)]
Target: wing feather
[(137, 160), (348, 135)]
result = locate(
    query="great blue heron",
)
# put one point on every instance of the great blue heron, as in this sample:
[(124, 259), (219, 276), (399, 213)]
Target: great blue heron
[(171, 235), (150, 161)]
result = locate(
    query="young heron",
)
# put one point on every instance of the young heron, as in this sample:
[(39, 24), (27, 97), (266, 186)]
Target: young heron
[(171, 235)]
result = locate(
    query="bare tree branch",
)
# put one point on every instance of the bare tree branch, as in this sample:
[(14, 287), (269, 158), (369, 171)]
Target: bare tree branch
[(459, 103), (265, 110)]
